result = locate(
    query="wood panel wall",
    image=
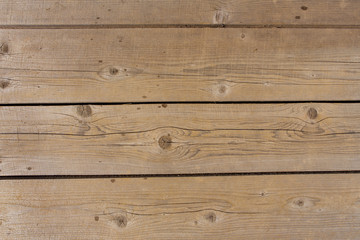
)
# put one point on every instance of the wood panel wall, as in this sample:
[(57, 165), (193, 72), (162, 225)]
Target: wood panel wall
[(167, 119)]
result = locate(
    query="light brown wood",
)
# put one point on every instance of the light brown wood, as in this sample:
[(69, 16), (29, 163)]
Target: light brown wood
[(179, 138), (137, 65), (167, 58), (236, 207), (235, 12)]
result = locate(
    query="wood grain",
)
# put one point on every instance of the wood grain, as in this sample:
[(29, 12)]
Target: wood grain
[(164, 65), (233, 12), (179, 138), (236, 207)]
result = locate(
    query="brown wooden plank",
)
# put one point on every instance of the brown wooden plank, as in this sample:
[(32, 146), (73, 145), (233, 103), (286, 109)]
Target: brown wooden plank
[(236, 207), (238, 12), (136, 65), (179, 138)]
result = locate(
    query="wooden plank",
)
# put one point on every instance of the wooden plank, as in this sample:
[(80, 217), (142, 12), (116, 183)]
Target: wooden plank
[(236, 207), (179, 138), (235, 12), (156, 65)]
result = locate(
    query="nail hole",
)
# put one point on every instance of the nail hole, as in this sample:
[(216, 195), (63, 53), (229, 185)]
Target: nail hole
[(304, 8)]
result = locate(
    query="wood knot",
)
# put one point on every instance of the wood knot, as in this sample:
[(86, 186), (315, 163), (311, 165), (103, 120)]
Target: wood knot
[(312, 113), (302, 203), (211, 217), (121, 221), (96, 218), (113, 71), (304, 8), (263, 194), (222, 89), (4, 48), (112, 180), (4, 84), (221, 17), (243, 35), (84, 110), (165, 141), (299, 202), (118, 72)]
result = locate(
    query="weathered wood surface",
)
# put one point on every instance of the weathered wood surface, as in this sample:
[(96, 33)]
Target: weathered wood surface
[(155, 65), (179, 138), (157, 52), (236, 207), (147, 12)]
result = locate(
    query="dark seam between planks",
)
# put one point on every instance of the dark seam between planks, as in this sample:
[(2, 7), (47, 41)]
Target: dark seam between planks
[(173, 103), (44, 177), (112, 26)]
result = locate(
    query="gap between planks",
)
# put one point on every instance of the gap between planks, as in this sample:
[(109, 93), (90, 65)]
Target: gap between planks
[(168, 102), (39, 177), (114, 26)]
